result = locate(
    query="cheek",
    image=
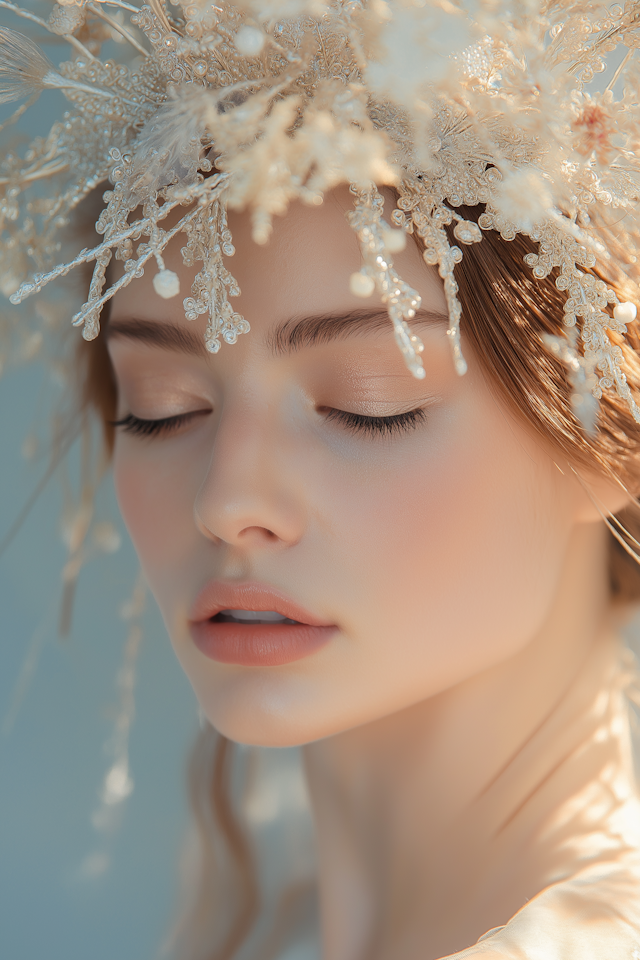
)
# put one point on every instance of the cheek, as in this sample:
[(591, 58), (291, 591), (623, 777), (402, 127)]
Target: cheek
[(455, 555), (157, 508)]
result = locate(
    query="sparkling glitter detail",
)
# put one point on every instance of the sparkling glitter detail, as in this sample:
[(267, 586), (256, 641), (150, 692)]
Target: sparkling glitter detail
[(401, 300)]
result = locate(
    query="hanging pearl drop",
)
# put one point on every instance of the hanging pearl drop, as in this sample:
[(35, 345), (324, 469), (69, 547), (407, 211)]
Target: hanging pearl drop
[(395, 240), (166, 284), (361, 284)]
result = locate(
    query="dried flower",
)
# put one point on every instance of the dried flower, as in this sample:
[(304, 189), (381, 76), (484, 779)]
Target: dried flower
[(595, 127), (523, 197), (417, 46), (64, 20)]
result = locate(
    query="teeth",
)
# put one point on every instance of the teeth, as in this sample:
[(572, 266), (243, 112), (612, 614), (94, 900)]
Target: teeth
[(255, 616)]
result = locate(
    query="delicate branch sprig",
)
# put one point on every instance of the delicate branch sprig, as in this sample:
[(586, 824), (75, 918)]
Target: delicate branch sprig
[(89, 313), (116, 26), (161, 14), (92, 308), (621, 66), (86, 255), (129, 7), (25, 14), (17, 113), (46, 166), (40, 174)]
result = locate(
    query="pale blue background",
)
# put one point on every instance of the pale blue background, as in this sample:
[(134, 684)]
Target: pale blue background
[(52, 761)]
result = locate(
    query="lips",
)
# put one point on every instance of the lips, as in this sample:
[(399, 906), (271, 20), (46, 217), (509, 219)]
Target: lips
[(254, 644)]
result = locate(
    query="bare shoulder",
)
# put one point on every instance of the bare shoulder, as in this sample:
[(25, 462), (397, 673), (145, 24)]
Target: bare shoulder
[(591, 916)]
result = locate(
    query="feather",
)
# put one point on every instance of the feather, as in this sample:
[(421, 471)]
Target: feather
[(26, 71), (23, 66), (168, 147)]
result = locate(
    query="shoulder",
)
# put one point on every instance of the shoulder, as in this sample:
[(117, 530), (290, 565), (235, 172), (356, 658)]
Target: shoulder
[(591, 916)]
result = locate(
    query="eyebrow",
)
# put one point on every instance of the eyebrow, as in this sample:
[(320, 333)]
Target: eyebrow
[(167, 336), (295, 334), (301, 332)]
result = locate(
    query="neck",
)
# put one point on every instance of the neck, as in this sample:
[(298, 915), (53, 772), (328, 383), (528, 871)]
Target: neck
[(440, 821)]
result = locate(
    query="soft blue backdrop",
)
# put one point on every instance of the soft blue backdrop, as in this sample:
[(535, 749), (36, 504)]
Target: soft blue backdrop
[(52, 749), (52, 756)]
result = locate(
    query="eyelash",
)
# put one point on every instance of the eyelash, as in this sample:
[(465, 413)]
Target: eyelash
[(155, 428), (378, 426), (356, 422)]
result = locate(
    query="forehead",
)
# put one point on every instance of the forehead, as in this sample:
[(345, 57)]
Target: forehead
[(303, 269)]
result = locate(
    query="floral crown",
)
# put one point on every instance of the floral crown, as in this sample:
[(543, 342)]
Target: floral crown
[(258, 103)]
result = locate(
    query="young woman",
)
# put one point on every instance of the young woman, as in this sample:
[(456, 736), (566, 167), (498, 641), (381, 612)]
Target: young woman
[(411, 578), (414, 574)]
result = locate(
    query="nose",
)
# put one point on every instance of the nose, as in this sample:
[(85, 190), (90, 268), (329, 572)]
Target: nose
[(250, 496)]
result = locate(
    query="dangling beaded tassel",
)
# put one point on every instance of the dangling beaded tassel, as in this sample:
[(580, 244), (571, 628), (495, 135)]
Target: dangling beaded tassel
[(377, 241), (118, 783)]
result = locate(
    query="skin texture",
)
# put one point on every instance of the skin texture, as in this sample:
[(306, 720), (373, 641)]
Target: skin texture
[(461, 560)]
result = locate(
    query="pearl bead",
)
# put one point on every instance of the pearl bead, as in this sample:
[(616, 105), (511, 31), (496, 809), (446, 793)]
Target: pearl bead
[(625, 312), (249, 41), (166, 284), (395, 240), (361, 285)]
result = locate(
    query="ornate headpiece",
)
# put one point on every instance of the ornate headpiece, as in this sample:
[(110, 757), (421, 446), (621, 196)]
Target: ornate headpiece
[(254, 104)]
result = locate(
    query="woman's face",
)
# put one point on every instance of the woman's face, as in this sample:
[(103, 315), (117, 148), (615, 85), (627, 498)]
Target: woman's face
[(296, 478)]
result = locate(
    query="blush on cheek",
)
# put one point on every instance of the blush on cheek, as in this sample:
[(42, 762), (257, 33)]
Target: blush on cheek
[(154, 516), (136, 501), (457, 545)]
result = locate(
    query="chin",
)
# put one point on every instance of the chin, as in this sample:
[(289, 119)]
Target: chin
[(248, 712)]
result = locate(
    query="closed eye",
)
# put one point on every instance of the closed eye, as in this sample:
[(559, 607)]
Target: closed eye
[(156, 428), (355, 422), (376, 426)]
